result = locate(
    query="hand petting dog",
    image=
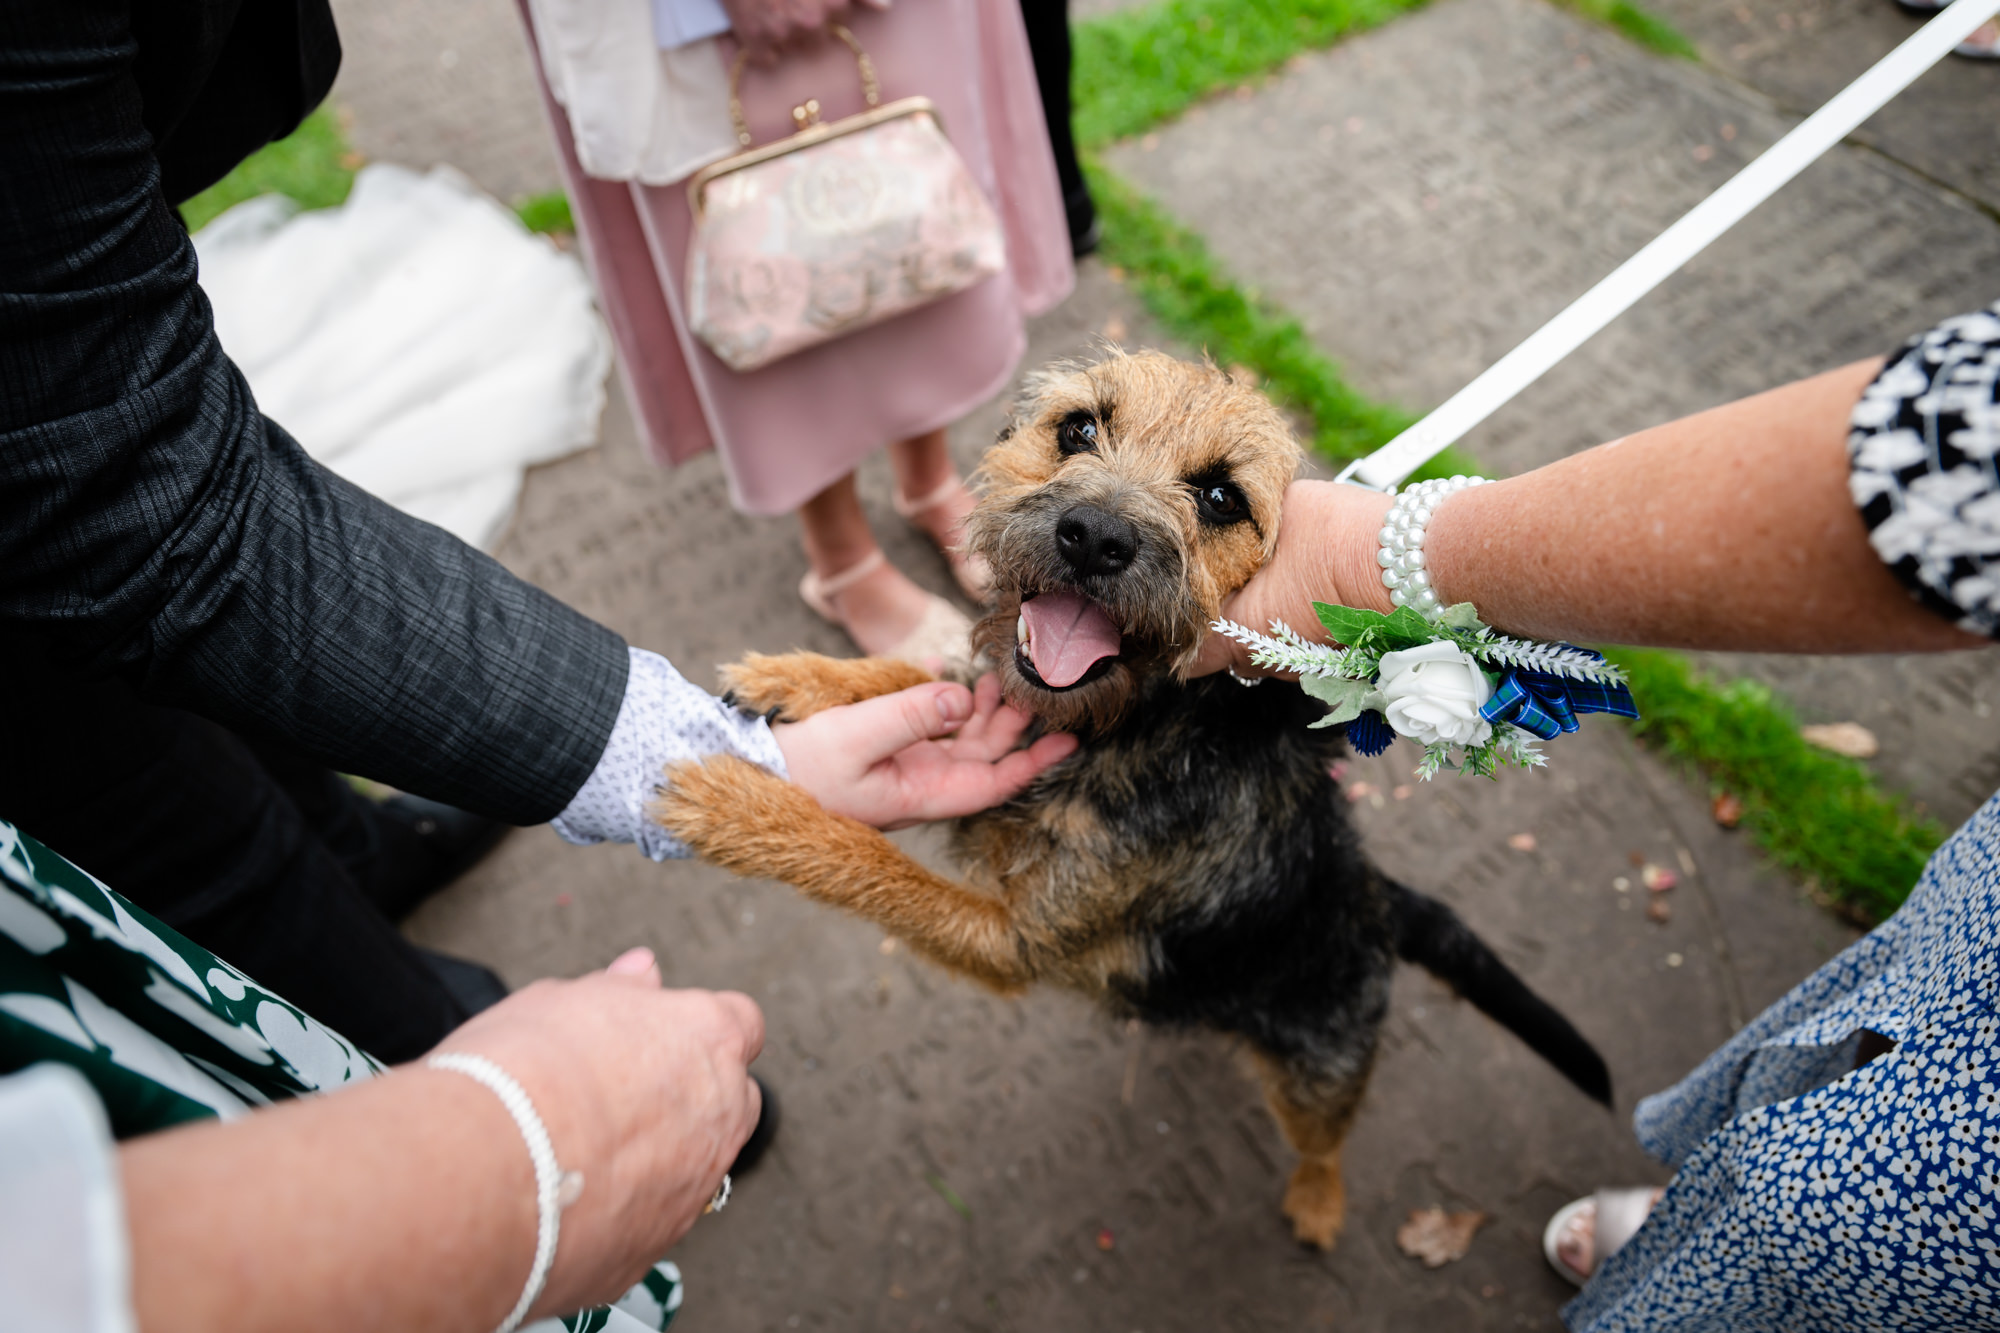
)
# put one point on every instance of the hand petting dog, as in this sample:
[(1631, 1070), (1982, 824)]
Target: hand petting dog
[(930, 752)]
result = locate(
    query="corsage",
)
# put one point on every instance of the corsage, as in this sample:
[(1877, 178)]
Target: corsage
[(1475, 700)]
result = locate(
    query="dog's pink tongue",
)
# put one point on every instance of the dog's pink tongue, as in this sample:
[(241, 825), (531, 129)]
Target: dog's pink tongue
[(1067, 633)]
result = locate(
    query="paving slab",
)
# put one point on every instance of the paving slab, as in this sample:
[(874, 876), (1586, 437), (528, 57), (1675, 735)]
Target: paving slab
[(1801, 52), (951, 1160), (1426, 195)]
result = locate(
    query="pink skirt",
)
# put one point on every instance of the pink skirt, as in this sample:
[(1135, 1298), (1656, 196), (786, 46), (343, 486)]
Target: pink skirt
[(789, 430)]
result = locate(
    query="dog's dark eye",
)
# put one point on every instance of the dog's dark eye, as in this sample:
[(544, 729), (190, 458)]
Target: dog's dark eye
[(1219, 502), (1077, 434)]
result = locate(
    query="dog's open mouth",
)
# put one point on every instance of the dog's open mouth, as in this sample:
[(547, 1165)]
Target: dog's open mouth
[(1064, 639)]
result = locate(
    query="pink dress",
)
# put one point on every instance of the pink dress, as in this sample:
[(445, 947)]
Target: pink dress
[(790, 429)]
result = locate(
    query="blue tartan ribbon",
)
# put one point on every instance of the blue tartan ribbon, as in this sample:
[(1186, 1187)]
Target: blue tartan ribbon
[(1370, 734), (1546, 704)]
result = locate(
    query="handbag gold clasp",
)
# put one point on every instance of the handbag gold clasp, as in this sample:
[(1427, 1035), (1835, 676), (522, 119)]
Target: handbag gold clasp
[(871, 88)]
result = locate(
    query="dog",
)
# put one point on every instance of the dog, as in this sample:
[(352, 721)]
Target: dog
[(1192, 863)]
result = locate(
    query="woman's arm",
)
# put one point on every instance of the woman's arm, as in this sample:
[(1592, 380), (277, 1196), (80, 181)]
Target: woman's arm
[(409, 1201), (1732, 529)]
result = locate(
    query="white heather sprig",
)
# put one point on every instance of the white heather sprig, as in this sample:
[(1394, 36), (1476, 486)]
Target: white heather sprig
[(1284, 649), (1558, 659)]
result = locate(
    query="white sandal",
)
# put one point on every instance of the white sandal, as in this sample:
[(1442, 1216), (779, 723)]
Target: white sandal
[(1618, 1215), (944, 634), (968, 567), (1977, 47)]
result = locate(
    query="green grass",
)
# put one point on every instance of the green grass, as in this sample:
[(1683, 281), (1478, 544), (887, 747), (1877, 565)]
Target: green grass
[(1641, 25), (1136, 67), (546, 213), (313, 165), (1816, 813)]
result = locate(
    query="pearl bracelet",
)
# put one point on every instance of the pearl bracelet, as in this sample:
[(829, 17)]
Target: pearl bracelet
[(549, 1181), (1405, 571)]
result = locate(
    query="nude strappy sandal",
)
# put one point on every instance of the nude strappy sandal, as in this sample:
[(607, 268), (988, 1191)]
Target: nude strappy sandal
[(968, 567), (944, 634)]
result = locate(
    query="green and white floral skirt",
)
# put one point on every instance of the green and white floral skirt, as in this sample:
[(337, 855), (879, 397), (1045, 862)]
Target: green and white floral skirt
[(165, 1032)]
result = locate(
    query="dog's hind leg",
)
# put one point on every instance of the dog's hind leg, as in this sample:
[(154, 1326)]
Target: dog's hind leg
[(1314, 1108), (747, 820), (791, 687)]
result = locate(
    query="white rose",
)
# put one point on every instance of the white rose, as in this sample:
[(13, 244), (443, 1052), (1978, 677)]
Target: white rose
[(1434, 693)]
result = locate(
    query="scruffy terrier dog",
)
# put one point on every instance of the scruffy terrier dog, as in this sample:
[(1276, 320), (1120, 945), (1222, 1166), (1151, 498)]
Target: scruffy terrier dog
[(1192, 863)]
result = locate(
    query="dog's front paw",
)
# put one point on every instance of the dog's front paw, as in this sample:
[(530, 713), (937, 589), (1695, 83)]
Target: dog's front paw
[(791, 687), (1316, 1201)]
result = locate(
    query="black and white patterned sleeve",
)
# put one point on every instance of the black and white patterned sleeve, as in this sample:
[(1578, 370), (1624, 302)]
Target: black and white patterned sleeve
[(1924, 468)]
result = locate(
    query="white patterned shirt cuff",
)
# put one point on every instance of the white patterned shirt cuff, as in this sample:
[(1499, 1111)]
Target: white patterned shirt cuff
[(663, 719)]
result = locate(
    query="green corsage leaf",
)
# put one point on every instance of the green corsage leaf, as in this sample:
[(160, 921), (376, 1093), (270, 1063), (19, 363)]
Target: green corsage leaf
[(1406, 629), (1345, 699), (1346, 624), (1462, 616)]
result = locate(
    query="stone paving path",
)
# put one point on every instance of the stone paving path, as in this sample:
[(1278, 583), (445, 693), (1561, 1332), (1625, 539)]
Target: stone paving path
[(1551, 148)]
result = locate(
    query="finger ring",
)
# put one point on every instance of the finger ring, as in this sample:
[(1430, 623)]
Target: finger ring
[(721, 1199)]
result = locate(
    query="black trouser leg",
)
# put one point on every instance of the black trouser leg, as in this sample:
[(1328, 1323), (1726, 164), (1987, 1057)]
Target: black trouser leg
[(1047, 22), (179, 816)]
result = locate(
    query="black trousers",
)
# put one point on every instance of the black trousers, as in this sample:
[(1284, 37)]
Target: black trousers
[(244, 849), (1047, 22)]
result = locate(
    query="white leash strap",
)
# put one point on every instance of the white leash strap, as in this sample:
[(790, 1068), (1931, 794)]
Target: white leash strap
[(1397, 459)]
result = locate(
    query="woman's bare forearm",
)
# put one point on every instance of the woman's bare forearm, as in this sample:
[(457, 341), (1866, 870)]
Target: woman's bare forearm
[(1732, 529), (406, 1203)]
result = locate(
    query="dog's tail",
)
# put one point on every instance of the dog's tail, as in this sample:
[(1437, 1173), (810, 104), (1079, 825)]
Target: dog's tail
[(1429, 934)]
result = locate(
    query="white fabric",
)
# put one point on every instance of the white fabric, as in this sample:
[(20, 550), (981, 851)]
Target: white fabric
[(662, 720), (637, 112), (677, 23), (64, 1262), (417, 340)]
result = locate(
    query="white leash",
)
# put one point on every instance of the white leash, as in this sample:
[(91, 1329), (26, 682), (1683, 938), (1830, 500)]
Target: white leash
[(1665, 254)]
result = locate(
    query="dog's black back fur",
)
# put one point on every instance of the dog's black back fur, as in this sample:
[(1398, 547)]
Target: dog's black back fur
[(1262, 915)]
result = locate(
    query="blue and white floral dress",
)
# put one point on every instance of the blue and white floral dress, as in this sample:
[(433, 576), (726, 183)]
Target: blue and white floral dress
[(1818, 1189)]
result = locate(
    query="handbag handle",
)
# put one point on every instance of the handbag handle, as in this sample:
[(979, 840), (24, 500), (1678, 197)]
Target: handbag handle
[(807, 112)]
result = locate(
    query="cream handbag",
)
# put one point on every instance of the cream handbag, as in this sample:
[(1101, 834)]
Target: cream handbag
[(836, 228)]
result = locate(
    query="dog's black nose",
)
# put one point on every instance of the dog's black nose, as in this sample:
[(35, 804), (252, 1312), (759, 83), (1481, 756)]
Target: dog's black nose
[(1095, 542)]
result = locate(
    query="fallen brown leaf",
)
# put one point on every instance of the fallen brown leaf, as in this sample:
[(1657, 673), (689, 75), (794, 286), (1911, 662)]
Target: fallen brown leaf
[(1728, 810), (1436, 1237), (1848, 738), (1658, 912)]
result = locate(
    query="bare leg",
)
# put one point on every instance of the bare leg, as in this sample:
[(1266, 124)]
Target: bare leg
[(923, 467), (881, 610), (1314, 1111)]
